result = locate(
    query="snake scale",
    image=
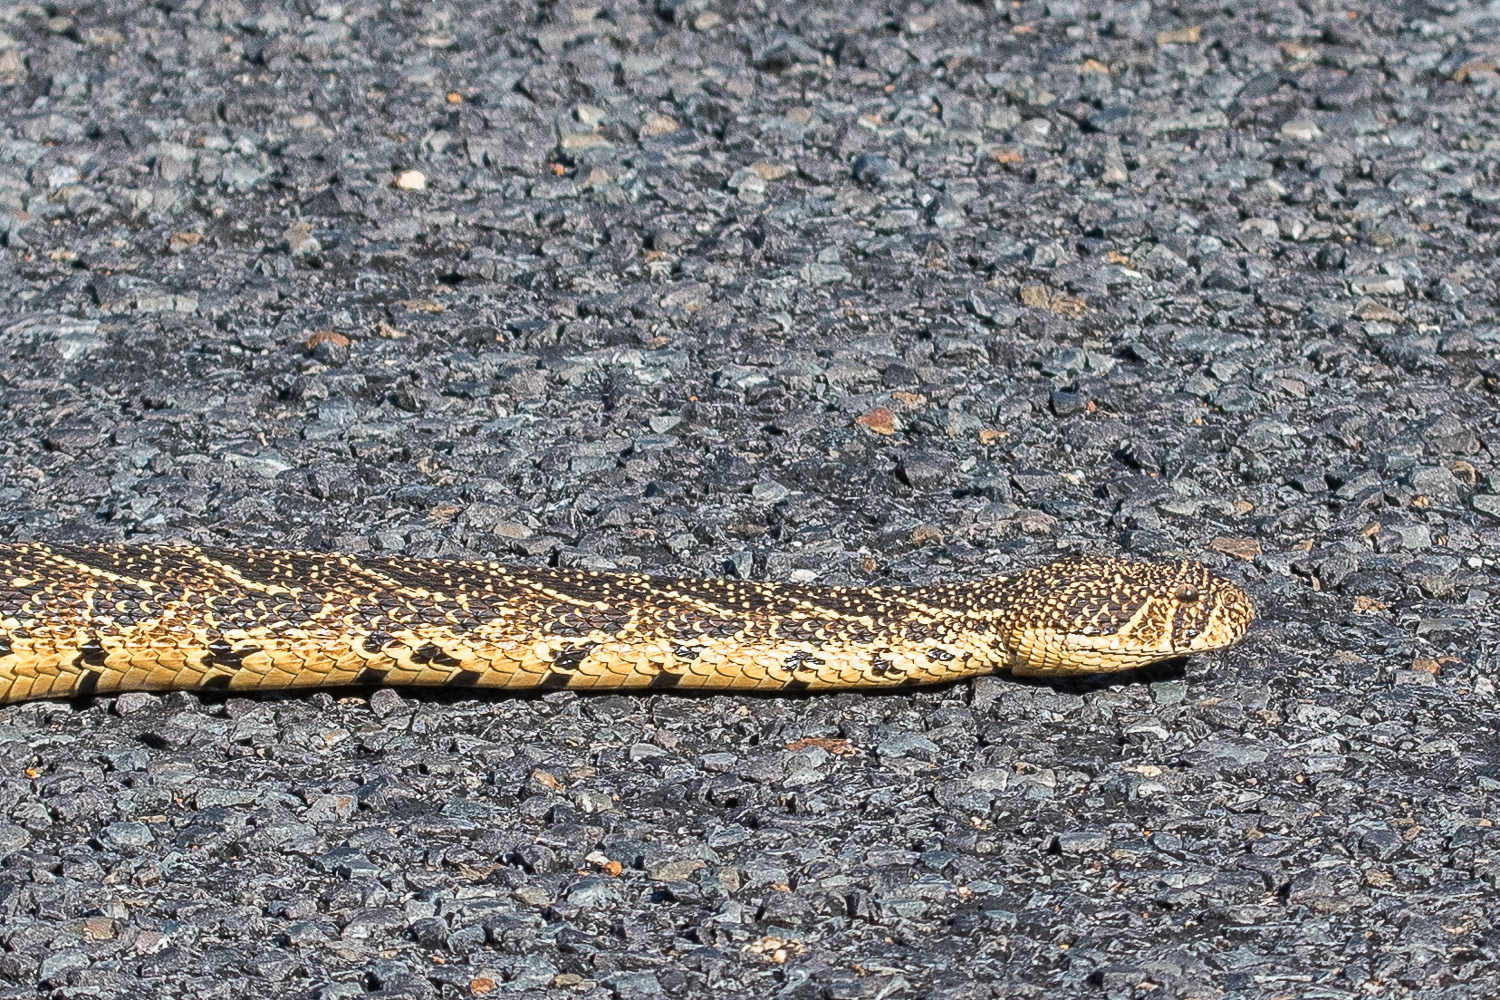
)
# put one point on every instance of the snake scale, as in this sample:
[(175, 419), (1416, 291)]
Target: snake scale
[(81, 620)]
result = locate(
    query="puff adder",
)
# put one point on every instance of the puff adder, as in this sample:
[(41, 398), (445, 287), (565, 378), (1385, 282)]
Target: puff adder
[(84, 620)]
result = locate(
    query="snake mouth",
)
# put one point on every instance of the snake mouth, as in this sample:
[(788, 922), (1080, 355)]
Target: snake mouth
[(1072, 656), (1049, 653)]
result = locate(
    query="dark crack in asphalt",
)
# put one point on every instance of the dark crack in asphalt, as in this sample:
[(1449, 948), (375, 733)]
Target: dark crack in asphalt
[(850, 293)]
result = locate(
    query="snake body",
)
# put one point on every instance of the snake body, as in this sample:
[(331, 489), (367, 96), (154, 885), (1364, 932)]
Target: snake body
[(91, 620)]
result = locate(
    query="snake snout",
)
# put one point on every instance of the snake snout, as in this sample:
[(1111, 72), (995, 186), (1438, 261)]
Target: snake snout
[(1228, 614)]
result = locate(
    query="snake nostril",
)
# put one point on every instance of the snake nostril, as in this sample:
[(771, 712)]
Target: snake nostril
[(1186, 594)]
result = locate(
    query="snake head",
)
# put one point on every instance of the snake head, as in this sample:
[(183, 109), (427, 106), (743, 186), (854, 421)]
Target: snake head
[(1084, 616)]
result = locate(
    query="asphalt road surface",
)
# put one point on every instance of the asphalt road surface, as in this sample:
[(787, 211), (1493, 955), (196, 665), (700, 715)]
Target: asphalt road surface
[(848, 293)]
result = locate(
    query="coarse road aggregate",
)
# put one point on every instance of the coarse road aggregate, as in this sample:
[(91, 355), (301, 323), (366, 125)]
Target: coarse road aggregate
[(860, 293)]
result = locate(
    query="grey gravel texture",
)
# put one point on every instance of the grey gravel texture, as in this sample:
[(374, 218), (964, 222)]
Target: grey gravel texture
[(845, 292)]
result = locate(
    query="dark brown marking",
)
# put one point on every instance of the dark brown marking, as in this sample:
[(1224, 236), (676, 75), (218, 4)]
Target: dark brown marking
[(553, 682), (92, 653), (664, 680), (375, 642), (222, 654), (88, 682), (465, 678), (370, 675), (570, 657), (803, 660), (798, 629), (218, 682), (436, 655)]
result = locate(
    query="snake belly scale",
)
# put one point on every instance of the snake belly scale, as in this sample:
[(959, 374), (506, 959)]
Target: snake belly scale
[(84, 620)]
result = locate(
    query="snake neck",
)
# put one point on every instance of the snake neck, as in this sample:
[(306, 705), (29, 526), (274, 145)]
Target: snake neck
[(981, 621)]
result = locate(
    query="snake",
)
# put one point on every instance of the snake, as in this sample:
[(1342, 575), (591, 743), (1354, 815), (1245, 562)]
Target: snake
[(78, 621)]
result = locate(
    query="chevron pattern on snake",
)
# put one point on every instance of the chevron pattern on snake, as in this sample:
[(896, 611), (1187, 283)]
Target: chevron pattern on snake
[(84, 620)]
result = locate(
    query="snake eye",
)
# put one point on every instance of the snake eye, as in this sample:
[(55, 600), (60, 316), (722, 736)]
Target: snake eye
[(1186, 594)]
